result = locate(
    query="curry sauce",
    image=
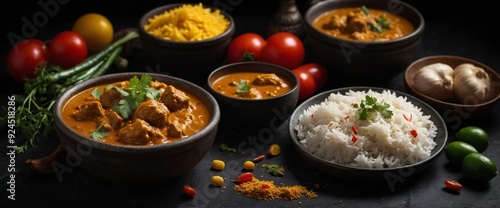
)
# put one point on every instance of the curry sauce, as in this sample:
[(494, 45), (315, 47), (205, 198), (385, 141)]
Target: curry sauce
[(251, 85), (151, 123), (363, 24)]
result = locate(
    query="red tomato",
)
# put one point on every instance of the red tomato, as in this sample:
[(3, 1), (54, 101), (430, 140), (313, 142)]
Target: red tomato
[(318, 71), (67, 49), (245, 177), (307, 84), (190, 191), (453, 185), (284, 49), (245, 47), (25, 57)]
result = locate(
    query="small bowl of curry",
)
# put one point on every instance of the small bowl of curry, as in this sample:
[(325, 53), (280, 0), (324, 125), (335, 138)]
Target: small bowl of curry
[(364, 42), (136, 129), (254, 95)]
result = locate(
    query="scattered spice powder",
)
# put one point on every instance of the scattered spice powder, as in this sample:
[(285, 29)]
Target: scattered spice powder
[(267, 190)]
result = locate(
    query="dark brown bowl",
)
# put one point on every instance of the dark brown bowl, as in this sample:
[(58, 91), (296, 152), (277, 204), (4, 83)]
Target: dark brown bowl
[(451, 108), (187, 60), (362, 63), (251, 115), (136, 165)]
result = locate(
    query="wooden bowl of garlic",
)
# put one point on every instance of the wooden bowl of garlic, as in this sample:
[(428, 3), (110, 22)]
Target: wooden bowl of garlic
[(454, 85)]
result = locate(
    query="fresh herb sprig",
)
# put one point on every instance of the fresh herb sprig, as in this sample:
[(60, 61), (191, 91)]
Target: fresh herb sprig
[(243, 86), (370, 105), (224, 147), (135, 93), (274, 169)]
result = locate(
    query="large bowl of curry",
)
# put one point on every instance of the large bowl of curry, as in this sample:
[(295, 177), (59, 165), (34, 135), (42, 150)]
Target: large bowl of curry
[(136, 129), (364, 41), (254, 96)]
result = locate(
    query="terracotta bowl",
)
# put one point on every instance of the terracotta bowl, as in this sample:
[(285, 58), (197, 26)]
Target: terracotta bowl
[(452, 107), (135, 165), (191, 60), (252, 115), (364, 63)]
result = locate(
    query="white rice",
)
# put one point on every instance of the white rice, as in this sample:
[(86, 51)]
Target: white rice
[(325, 130)]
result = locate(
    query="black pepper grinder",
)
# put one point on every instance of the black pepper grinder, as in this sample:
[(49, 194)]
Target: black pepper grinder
[(287, 19)]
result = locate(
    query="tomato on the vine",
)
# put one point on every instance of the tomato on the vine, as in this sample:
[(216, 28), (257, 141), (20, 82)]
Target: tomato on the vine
[(245, 47), (318, 71), (25, 58), (284, 49), (307, 84), (67, 49)]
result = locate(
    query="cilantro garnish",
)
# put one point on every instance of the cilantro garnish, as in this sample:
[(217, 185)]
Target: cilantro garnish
[(370, 105), (274, 169), (135, 93), (243, 86), (364, 10), (98, 133), (224, 147)]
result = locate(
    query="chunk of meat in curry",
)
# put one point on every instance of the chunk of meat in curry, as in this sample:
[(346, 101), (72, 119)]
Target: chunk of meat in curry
[(150, 120)]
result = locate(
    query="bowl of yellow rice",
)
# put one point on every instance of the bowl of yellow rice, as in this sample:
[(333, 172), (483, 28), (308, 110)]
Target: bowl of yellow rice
[(186, 40)]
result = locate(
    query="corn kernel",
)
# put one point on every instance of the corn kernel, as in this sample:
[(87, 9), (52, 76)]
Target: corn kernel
[(248, 165), (218, 164), (217, 180)]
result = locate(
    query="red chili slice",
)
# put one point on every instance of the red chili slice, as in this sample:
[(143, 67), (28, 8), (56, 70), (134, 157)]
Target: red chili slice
[(453, 185), (245, 177)]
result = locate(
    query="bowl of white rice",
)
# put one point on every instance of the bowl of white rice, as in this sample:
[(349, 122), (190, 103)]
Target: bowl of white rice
[(367, 133)]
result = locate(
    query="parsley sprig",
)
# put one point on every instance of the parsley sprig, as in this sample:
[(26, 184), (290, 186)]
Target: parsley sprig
[(135, 93), (370, 105), (243, 86)]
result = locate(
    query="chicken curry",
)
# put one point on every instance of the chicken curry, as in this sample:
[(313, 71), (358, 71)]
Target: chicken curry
[(251, 85), (136, 112), (363, 24)]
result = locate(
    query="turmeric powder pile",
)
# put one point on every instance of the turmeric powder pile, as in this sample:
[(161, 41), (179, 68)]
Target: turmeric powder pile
[(266, 190)]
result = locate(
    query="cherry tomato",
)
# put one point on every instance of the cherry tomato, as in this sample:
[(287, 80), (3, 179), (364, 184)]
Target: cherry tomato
[(25, 57), (307, 84), (244, 177), (67, 49), (245, 47), (318, 71), (96, 30), (190, 191), (453, 185), (284, 49)]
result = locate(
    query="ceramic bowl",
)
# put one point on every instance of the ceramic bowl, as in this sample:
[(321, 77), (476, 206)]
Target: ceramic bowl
[(190, 60), (137, 165), (347, 172), (364, 63), (452, 108), (251, 115)]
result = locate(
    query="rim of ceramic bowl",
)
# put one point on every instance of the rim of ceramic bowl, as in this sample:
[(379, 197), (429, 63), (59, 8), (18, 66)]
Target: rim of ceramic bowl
[(110, 78), (309, 19), (158, 10), (256, 63), (489, 70)]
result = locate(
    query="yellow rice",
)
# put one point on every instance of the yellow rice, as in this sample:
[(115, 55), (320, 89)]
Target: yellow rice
[(188, 22)]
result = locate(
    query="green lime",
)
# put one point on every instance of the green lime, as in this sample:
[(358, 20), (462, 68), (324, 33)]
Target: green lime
[(479, 167), (475, 136), (457, 150)]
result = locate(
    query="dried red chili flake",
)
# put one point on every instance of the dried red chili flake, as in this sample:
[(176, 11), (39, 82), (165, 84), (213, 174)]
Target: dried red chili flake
[(414, 133), (408, 119), (354, 138), (312, 116), (265, 186), (259, 158), (347, 117), (354, 129), (330, 124)]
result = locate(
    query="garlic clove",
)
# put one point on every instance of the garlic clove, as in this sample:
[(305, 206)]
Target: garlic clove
[(435, 80), (471, 84)]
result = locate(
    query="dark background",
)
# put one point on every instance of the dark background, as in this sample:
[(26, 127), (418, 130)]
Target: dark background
[(472, 15)]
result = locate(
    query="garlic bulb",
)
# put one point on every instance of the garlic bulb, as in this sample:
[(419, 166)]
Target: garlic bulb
[(471, 84), (435, 80)]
